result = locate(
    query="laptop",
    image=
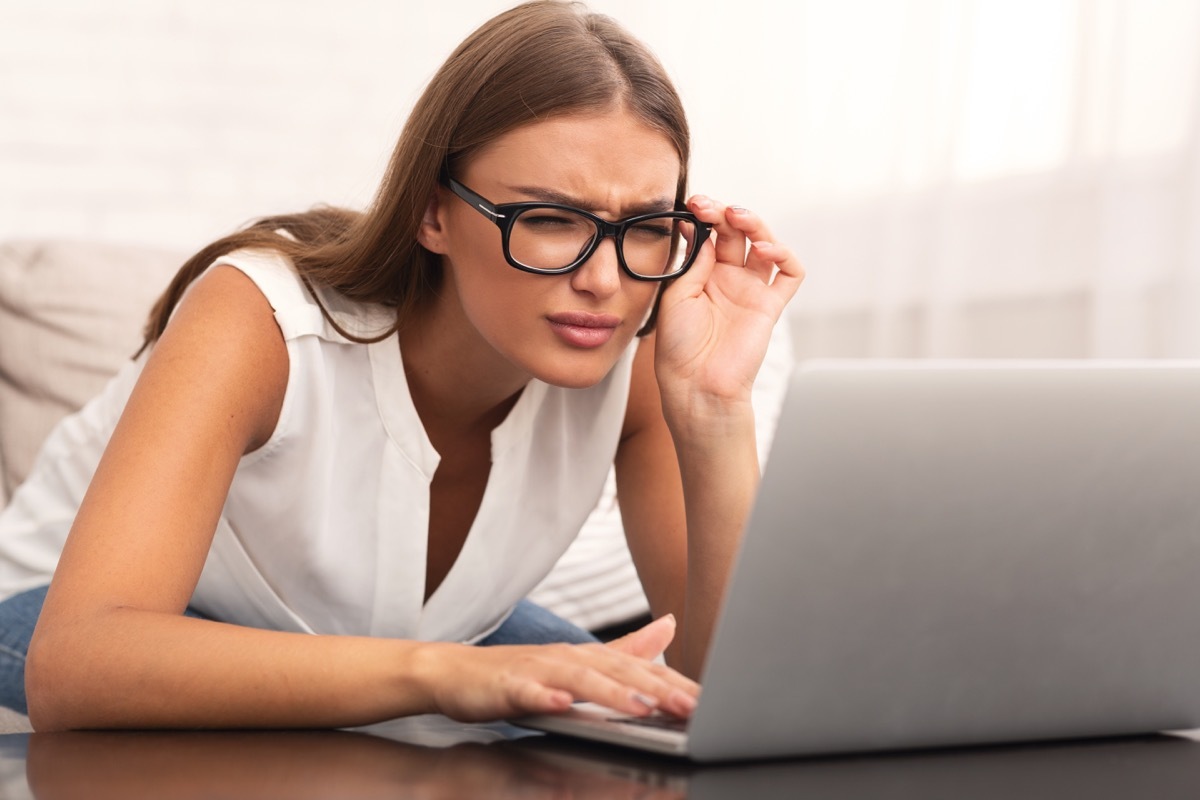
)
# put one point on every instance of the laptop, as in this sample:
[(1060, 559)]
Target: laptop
[(956, 553)]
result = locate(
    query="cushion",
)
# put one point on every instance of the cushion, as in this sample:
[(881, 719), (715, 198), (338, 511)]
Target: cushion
[(70, 314)]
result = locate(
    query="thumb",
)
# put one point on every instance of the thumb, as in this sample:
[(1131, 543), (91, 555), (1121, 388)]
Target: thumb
[(649, 641), (692, 282)]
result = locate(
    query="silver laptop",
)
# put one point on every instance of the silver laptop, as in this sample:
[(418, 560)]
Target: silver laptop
[(954, 553)]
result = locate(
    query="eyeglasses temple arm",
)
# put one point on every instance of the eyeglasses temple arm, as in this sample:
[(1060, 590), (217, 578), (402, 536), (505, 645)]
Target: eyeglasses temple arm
[(474, 199)]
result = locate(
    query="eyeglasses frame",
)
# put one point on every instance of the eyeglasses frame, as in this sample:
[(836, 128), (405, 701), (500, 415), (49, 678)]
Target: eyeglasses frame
[(505, 214)]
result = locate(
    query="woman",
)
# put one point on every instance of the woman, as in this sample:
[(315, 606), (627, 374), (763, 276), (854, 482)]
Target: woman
[(384, 428)]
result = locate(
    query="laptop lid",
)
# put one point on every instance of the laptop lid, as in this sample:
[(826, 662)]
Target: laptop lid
[(960, 553)]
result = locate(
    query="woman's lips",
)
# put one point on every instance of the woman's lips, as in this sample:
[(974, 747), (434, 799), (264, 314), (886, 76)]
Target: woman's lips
[(581, 329)]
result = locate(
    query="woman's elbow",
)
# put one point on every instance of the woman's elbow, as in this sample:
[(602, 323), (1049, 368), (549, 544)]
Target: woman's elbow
[(46, 691)]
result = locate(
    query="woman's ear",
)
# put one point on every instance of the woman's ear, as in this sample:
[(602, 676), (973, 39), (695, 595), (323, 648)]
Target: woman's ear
[(432, 233)]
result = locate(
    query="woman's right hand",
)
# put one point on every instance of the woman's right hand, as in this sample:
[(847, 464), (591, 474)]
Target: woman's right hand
[(480, 684)]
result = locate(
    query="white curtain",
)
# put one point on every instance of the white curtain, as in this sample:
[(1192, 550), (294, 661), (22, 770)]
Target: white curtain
[(977, 178)]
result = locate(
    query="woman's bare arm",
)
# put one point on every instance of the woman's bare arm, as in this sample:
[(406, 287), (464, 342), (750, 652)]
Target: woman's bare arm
[(683, 529), (111, 647), (695, 399)]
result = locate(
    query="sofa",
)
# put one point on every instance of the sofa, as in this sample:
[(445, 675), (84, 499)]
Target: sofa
[(70, 314)]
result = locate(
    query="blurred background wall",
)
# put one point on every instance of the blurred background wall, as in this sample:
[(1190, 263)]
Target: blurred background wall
[(961, 178)]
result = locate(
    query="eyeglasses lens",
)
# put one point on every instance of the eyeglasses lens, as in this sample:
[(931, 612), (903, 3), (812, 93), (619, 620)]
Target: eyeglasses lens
[(550, 239)]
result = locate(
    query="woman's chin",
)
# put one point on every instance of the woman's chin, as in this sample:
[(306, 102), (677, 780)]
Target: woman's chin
[(576, 373), (567, 366), (574, 380)]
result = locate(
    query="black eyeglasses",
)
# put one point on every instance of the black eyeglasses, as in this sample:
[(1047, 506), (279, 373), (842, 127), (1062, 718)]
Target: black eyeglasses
[(552, 239)]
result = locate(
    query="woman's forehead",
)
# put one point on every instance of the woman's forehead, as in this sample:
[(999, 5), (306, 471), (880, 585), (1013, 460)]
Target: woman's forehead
[(582, 155)]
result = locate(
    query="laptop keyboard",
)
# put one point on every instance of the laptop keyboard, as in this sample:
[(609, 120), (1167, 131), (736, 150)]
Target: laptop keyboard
[(659, 721)]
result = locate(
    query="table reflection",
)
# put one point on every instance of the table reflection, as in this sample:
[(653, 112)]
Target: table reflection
[(446, 760), (301, 764)]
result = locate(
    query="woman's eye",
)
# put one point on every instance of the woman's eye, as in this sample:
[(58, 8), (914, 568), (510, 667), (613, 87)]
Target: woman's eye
[(547, 220), (652, 230)]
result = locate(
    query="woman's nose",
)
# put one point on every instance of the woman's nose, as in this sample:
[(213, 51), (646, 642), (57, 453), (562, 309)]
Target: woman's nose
[(600, 274)]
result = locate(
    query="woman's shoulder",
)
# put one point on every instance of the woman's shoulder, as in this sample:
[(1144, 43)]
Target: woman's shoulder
[(275, 277), (221, 337), (303, 308)]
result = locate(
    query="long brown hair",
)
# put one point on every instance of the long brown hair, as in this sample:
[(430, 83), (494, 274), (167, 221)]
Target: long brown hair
[(541, 59)]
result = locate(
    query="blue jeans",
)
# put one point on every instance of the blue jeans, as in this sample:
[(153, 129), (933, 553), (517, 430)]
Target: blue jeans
[(18, 615), (528, 624)]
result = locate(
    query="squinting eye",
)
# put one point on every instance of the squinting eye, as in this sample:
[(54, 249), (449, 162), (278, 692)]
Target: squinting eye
[(546, 220), (549, 221), (652, 230)]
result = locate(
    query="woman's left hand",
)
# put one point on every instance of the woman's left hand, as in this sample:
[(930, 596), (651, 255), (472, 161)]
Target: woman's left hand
[(715, 321)]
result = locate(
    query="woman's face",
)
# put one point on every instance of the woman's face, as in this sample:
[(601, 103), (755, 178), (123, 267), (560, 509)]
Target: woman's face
[(567, 330)]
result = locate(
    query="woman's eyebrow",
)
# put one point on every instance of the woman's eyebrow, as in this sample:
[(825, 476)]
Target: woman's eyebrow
[(542, 194)]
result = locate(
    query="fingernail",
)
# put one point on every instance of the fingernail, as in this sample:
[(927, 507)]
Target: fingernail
[(701, 202), (763, 245), (669, 617), (738, 209), (646, 700)]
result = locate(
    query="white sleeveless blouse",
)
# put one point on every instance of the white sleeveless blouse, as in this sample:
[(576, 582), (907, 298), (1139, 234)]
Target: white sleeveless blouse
[(325, 526)]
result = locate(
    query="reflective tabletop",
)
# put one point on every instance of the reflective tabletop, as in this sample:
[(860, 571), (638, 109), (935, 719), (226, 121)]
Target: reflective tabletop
[(435, 758)]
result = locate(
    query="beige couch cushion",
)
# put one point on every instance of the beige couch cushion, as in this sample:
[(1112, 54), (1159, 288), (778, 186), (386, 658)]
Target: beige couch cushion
[(70, 314)]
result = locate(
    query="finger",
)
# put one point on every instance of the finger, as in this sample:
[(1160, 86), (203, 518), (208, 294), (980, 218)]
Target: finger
[(592, 682), (655, 686), (692, 282), (749, 224), (531, 697), (609, 677), (676, 693), (791, 271), (730, 242), (759, 262), (650, 641), (754, 229), (765, 254)]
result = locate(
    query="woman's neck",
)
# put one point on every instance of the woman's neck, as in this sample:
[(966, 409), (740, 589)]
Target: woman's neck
[(460, 387)]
